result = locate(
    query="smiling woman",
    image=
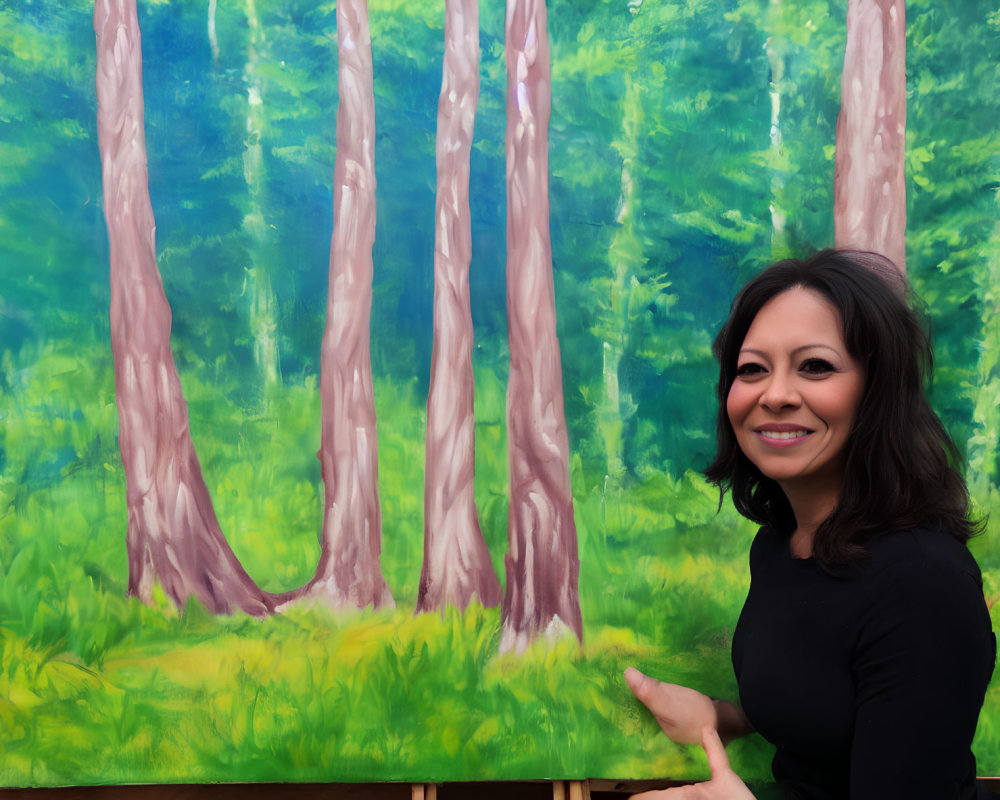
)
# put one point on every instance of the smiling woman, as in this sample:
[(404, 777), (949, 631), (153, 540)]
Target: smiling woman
[(794, 401), (864, 646)]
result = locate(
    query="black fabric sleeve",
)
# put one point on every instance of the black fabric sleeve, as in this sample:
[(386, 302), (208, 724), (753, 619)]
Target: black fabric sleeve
[(922, 661)]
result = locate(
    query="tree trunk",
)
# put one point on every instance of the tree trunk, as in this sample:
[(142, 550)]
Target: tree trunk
[(625, 254), (457, 563), (173, 533), (542, 565), (869, 184), (349, 571)]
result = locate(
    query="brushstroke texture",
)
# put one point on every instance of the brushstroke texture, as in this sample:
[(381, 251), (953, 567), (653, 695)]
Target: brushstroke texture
[(457, 565), (542, 564), (173, 533), (869, 183)]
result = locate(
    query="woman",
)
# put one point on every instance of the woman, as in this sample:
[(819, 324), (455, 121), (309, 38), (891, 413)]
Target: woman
[(864, 647)]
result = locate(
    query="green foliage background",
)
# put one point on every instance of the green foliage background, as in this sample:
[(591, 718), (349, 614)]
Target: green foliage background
[(666, 182)]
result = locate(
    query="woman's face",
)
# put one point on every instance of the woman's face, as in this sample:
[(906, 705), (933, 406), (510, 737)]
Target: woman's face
[(796, 392)]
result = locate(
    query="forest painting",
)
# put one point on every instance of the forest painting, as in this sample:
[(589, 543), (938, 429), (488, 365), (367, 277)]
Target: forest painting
[(476, 268)]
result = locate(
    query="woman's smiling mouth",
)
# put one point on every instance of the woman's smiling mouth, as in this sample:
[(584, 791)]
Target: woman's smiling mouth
[(782, 435)]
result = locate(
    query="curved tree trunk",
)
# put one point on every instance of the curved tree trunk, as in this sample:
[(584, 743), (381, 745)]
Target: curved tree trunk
[(542, 565), (173, 533), (457, 563), (349, 570), (869, 204)]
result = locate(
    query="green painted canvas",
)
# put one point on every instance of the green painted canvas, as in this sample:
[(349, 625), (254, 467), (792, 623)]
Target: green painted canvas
[(492, 360)]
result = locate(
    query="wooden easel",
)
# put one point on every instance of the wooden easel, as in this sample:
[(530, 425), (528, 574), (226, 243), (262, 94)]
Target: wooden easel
[(561, 790), (570, 790)]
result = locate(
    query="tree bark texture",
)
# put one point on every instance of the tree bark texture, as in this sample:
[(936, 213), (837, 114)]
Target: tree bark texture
[(173, 533), (349, 571), (542, 563), (869, 182), (457, 563)]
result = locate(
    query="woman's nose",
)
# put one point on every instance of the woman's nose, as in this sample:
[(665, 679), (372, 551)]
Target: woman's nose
[(780, 392)]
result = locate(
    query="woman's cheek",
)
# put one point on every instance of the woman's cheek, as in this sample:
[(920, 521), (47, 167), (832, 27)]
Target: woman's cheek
[(738, 403)]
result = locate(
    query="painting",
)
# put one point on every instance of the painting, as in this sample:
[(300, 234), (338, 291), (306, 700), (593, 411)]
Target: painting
[(356, 362)]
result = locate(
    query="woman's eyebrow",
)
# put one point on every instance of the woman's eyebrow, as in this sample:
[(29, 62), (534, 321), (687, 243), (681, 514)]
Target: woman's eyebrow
[(799, 349), (817, 344)]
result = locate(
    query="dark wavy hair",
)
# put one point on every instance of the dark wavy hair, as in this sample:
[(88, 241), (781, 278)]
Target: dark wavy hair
[(901, 466)]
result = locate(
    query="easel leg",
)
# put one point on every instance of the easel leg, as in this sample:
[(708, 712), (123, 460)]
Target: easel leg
[(579, 790), (570, 790)]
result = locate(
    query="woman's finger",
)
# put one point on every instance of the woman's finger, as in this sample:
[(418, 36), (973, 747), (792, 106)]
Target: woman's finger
[(677, 793), (718, 761), (640, 684)]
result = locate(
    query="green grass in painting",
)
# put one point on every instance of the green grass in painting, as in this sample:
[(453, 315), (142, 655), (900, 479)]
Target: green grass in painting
[(96, 688)]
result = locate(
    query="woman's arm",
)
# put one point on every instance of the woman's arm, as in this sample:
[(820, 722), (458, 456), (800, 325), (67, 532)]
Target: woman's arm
[(922, 664), (731, 722)]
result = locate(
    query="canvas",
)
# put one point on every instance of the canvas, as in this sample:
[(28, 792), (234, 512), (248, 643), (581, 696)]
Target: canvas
[(511, 392)]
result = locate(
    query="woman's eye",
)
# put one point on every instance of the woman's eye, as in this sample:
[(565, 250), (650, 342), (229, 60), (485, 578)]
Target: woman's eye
[(748, 370), (816, 366)]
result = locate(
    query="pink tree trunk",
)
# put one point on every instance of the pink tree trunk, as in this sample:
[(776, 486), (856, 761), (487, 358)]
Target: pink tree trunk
[(542, 565), (457, 563), (349, 571), (173, 533), (869, 183)]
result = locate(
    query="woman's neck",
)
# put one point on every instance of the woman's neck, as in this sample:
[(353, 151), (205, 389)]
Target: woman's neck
[(811, 506), (801, 543)]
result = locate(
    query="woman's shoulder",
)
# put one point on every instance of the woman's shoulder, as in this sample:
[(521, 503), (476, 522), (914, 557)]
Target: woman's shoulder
[(922, 592), (922, 551), (926, 575)]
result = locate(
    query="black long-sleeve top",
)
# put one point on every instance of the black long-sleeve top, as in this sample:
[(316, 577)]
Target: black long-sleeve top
[(868, 680)]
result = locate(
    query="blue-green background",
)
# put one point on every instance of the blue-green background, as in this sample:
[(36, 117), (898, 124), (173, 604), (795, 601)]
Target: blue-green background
[(95, 688)]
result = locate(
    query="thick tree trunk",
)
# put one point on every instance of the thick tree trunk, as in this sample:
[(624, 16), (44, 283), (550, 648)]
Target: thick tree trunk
[(542, 565), (457, 563), (869, 183), (349, 571), (173, 533)]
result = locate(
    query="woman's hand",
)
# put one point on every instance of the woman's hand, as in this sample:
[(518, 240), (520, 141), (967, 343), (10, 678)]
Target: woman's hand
[(724, 784), (682, 713), (690, 717)]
